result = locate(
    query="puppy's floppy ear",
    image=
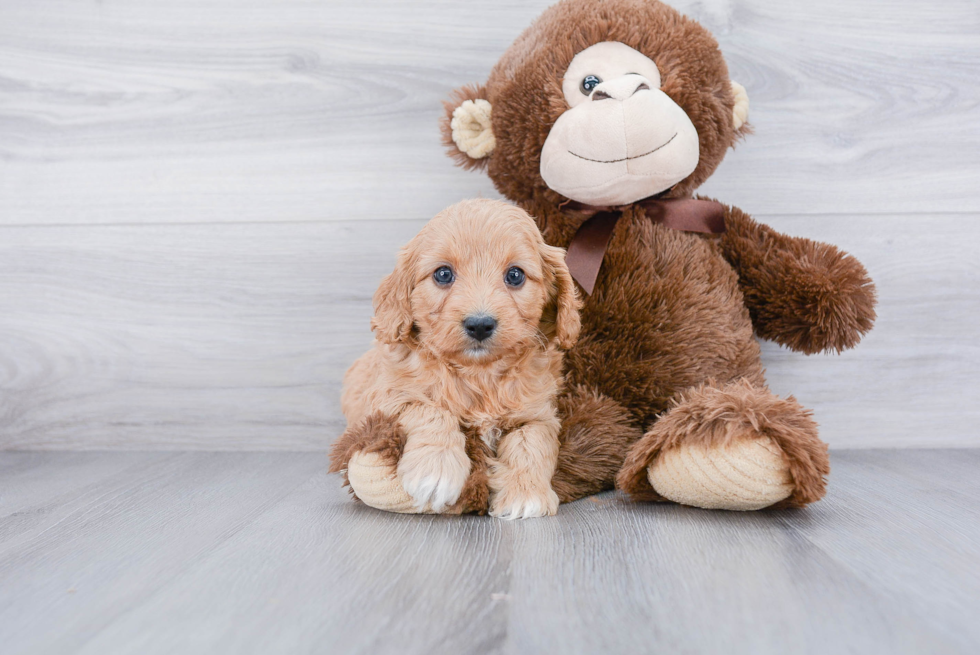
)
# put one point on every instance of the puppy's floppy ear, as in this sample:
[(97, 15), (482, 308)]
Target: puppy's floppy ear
[(393, 322), (560, 321), (465, 127)]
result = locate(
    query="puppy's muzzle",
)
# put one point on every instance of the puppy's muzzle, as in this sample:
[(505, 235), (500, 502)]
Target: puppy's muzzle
[(480, 327)]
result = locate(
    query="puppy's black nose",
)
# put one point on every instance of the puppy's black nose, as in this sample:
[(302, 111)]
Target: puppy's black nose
[(479, 327)]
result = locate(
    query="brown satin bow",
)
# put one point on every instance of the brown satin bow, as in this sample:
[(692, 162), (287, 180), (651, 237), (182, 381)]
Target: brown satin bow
[(588, 246)]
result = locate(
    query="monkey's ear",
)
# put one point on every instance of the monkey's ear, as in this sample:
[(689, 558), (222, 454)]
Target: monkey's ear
[(465, 126), (740, 114), (560, 320), (393, 322)]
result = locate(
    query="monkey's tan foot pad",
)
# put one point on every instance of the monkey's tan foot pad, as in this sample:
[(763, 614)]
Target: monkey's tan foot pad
[(376, 483), (748, 474)]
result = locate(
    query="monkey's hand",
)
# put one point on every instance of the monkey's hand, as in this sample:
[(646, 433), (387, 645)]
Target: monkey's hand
[(806, 295)]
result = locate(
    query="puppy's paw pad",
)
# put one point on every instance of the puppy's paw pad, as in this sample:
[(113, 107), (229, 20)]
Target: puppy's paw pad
[(515, 505), (433, 476)]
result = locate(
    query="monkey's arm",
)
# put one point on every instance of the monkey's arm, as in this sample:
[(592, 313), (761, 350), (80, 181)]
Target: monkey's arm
[(803, 294)]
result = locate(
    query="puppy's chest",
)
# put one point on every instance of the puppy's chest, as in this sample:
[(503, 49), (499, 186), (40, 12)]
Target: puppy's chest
[(494, 409), (503, 405)]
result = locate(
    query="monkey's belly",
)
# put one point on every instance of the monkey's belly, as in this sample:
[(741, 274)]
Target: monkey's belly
[(661, 320)]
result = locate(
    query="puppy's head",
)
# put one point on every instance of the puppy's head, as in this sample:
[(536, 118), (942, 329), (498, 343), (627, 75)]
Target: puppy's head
[(478, 283)]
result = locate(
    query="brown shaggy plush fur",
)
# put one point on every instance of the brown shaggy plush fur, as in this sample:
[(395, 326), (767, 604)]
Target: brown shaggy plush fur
[(805, 295), (667, 344), (596, 434)]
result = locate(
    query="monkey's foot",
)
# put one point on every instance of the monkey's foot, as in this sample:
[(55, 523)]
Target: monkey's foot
[(375, 481), (367, 455), (734, 447), (745, 475)]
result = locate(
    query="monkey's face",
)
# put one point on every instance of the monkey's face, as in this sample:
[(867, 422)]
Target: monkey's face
[(605, 103), (622, 138)]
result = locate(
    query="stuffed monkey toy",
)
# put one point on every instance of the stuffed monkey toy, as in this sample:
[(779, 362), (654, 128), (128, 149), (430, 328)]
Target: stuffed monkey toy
[(601, 120)]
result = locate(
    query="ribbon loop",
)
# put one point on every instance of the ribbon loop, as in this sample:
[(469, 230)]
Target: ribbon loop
[(588, 247)]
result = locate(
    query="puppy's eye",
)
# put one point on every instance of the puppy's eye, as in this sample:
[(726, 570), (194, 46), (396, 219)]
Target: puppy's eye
[(443, 276), (515, 277), (589, 82)]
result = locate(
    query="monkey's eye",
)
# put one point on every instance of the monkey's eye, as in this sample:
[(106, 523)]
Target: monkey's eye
[(588, 83), (515, 277), (443, 276)]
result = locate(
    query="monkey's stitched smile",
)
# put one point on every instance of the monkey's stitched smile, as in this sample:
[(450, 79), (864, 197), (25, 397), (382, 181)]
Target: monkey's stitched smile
[(614, 161)]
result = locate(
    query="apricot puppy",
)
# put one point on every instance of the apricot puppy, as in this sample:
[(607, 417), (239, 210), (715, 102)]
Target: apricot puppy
[(470, 329)]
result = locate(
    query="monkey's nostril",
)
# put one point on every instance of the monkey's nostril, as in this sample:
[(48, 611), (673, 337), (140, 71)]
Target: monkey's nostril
[(479, 327), (600, 95)]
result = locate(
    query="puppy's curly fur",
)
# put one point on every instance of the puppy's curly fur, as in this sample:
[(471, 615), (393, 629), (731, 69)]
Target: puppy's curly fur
[(440, 383)]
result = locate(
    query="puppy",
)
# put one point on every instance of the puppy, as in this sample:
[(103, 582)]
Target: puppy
[(470, 329)]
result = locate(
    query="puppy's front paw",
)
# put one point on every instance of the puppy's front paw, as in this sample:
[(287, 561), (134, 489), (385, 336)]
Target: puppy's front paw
[(433, 475), (524, 504)]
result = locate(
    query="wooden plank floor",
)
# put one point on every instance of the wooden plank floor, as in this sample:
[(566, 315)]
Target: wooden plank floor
[(264, 553)]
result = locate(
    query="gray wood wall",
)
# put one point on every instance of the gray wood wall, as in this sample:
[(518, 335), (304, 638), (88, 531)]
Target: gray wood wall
[(198, 199)]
